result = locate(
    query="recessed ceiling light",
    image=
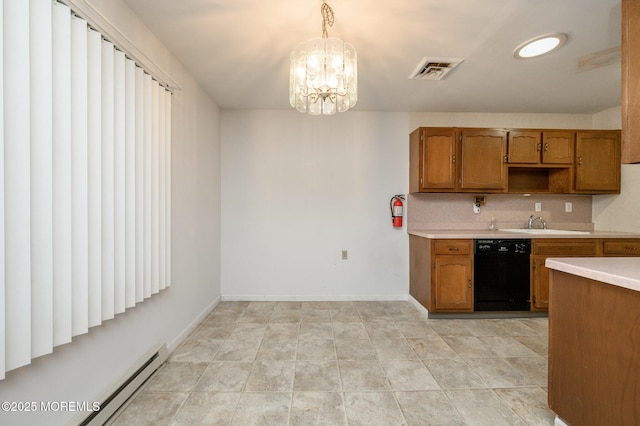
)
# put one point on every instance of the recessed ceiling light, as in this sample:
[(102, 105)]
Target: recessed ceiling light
[(539, 46)]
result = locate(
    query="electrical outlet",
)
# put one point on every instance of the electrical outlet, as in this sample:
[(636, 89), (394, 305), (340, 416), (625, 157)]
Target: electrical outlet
[(345, 254), (538, 207), (568, 207)]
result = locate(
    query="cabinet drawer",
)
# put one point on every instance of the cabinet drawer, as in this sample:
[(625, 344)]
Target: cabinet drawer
[(621, 248), (565, 248), (452, 246)]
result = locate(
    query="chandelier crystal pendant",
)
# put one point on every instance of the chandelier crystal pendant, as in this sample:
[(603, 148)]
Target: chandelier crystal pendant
[(324, 73)]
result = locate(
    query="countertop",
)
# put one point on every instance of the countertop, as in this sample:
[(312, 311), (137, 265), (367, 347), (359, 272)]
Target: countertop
[(487, 234), (619, 271)]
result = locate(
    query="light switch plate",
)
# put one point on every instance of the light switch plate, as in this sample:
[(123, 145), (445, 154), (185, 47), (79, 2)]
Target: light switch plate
[(538, 207), (568, 207)]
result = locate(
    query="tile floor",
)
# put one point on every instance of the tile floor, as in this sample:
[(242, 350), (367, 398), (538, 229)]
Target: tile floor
[(349, 363)]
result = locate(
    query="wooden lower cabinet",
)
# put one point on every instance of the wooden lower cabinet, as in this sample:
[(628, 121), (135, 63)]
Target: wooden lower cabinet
[(441, 270), (452, 283), (441, 274), (541, 249)]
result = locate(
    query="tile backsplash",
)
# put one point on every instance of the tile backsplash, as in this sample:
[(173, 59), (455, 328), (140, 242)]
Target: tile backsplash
[(455, 211)]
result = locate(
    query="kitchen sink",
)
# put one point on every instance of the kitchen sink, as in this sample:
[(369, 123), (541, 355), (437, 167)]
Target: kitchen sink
[(538, 231)]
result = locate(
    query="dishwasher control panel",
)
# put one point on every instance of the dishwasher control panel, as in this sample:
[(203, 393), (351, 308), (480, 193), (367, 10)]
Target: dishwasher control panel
[(503, 246)]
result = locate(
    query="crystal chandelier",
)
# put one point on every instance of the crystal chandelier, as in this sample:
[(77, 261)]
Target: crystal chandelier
[(324, 73)]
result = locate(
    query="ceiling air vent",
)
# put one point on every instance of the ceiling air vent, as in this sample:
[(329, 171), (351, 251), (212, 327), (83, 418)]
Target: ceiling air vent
[(434, 68)]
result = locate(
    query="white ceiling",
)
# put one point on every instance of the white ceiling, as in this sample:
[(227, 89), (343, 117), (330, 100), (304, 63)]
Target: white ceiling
[(239, 50)]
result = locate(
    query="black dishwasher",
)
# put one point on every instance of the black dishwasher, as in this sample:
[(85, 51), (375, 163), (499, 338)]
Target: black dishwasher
[(501, 275)]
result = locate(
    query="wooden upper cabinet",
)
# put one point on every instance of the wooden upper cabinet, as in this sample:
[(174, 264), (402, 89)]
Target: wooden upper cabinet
[(433, 159), (454, 159), (557, 147), (541, 147), (524, 147), (483, 153), (630, 81), (597, 162)]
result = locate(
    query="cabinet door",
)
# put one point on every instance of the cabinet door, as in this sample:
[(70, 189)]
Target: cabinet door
[(598, 161), (453, 283), (483, 159), (524, 147), (557, 147), (438, 159), (539, 284)]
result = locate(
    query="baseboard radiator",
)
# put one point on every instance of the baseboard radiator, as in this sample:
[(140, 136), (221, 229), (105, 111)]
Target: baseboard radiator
[(114, 399)]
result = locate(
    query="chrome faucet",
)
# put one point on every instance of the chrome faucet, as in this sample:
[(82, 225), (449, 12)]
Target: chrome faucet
[(532, 221)]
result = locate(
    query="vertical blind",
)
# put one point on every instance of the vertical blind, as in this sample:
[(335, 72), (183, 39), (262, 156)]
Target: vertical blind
[(85, 178)]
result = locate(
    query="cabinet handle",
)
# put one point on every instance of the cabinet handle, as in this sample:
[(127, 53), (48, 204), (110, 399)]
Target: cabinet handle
[(546, 147), (453, 158), (454, 249), (469, 284), (506, 158), (631, 248), (540, 147), (580, 161)]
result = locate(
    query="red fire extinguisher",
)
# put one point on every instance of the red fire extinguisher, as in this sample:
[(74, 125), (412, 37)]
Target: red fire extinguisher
[(396, 210)]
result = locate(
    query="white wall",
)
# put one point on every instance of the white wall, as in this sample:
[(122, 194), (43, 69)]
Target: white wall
[(618, 212), (297, 190), (508, 120), (83, 369)]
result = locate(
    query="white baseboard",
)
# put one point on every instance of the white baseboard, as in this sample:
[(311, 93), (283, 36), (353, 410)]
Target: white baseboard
[(312, 298), (559, 422), (173, 345), (418, 305)]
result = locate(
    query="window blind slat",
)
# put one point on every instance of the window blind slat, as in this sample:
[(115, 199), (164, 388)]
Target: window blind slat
[(162, 284), (41, 177), (2, 235), (94, 175), (62, 245), (79, 175), (108, 237), (17, 185), (140, 98), (147, 151), (167, 172), (130, 184), (119, 135), (155, 198)]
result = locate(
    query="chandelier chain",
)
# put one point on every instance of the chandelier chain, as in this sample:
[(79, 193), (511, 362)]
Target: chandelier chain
[(327, 18)]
